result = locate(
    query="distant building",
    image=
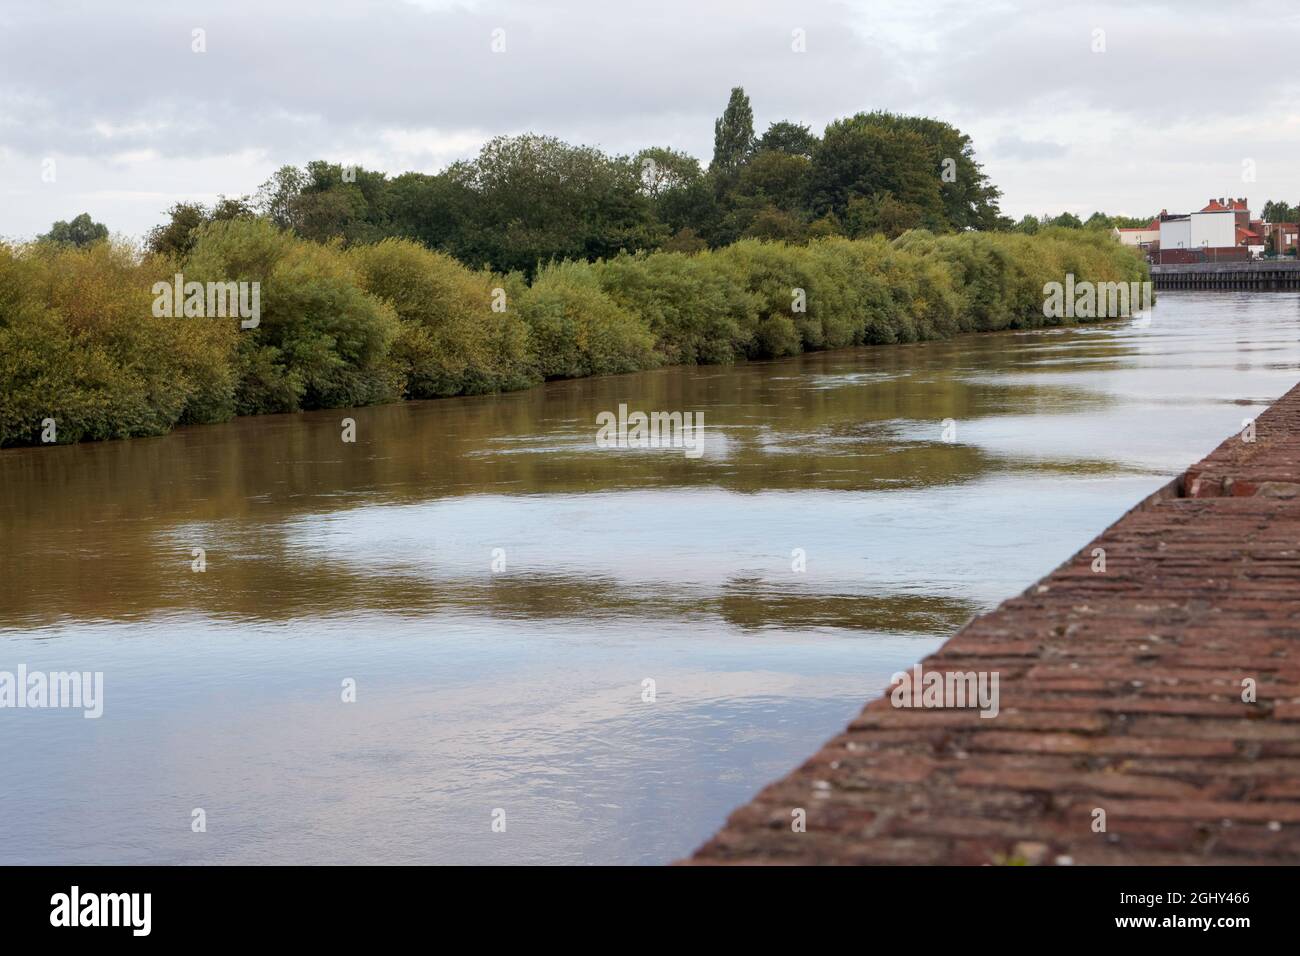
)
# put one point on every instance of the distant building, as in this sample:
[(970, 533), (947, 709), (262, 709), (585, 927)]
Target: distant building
[(1219, 232), (1252, 238), (1283, 234), (1142, 236)]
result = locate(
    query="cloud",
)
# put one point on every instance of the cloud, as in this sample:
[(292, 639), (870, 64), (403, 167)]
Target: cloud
[(1013, 147), (119, 98)]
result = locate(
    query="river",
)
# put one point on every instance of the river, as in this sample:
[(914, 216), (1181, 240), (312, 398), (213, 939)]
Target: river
[(603, 649)]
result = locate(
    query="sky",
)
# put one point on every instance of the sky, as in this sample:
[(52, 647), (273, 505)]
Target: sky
[(1128, 107)]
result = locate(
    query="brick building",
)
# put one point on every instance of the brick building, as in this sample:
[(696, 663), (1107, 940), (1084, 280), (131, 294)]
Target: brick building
[(1220, 232), (1283, 234)]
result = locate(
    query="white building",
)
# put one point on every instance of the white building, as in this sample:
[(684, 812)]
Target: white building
[(1200, 231), (1176, 233), (1214, 230)]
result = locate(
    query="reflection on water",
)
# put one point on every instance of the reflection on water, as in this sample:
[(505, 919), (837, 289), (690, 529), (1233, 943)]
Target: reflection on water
[(523, 689)]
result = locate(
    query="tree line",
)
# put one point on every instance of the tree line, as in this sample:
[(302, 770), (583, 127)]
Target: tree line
[(1099, 221), (531, 199), (1273, 211)]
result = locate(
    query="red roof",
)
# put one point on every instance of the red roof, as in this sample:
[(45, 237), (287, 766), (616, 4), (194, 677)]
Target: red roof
[(1243, 234), (1233, 205)]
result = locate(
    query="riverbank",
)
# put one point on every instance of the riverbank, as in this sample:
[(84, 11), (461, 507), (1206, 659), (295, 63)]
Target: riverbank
[(1149, 703), (89, 350)]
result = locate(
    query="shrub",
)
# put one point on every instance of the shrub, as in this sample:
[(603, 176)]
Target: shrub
[(577, 330), (682, 299), (79, 342), (450, 340), (322, 340)]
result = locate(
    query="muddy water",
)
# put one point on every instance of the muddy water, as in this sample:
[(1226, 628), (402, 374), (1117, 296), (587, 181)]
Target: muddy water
[(501, 591)]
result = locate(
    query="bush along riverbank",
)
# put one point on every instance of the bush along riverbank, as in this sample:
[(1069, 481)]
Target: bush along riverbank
[(101, 342)]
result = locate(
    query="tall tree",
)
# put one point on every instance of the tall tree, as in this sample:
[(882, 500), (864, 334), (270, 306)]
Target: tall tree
[(1279, 211), (733, 136)]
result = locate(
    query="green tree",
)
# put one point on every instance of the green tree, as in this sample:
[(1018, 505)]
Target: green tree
[(775, 224), (779, 177), (1029, 225), (536, 198), (861, 157), (344, 202), (175, 237), (1279, 211), (683, 200), (1066, 220), (969, 199), (664, 169), (684, 240), (882, 214), (787, 137), (275, 198), (81, 231), (733, 137), (431, 208)]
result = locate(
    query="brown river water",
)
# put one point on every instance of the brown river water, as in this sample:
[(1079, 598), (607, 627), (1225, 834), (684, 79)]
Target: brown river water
[(502, 591)]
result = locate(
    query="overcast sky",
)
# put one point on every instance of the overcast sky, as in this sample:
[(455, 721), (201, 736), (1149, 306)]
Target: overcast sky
[(1186, 100)]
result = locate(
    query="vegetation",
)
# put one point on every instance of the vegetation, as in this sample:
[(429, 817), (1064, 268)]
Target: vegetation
[(351, 325), (536, 260), (81, 231), (1099, 221), (1280, 211), (528, 200)]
